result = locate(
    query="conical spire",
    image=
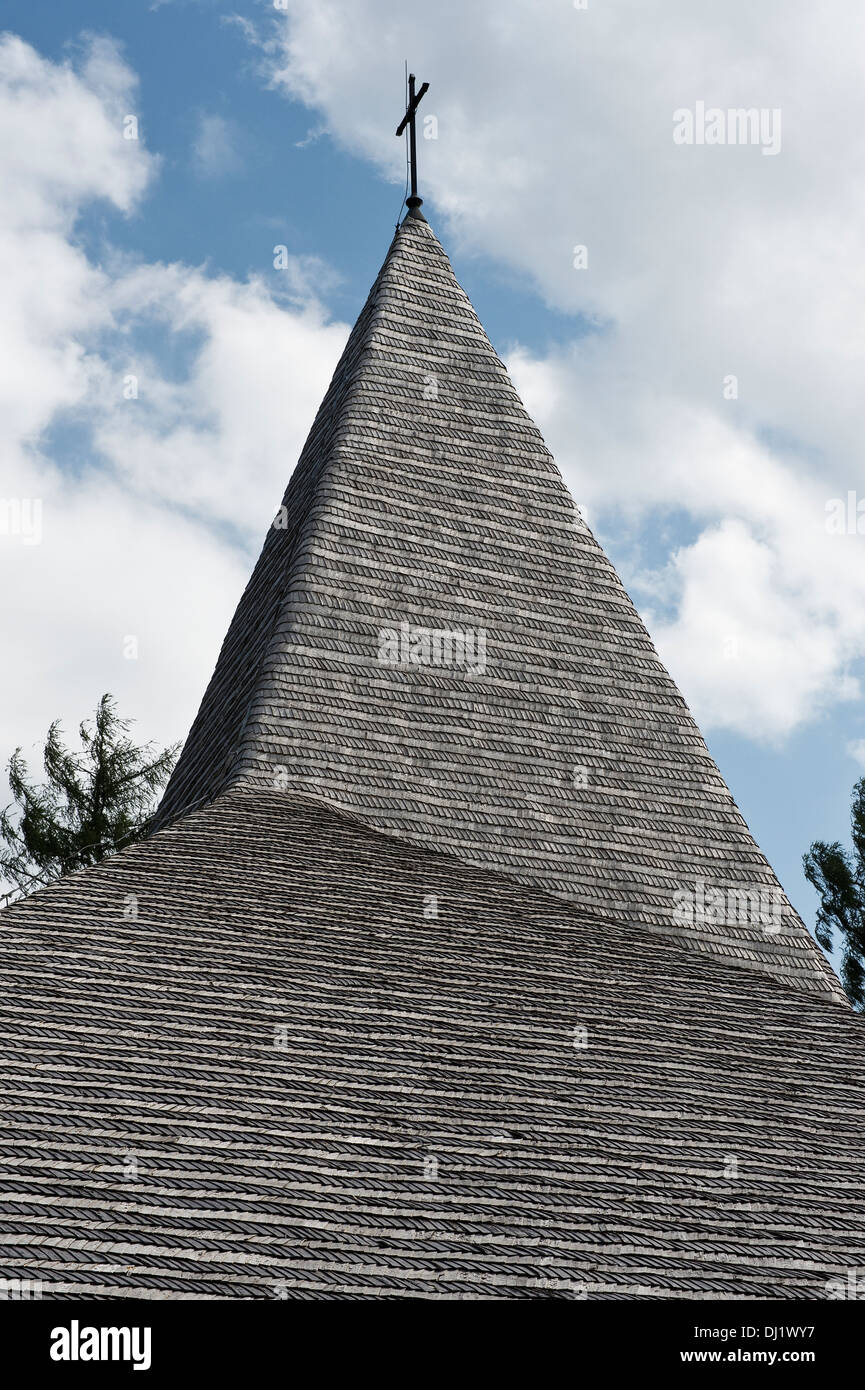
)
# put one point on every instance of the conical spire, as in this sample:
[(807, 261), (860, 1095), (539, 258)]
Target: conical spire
[(433, 642)]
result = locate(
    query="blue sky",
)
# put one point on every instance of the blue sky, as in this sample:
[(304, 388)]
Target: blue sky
[(260, 128)]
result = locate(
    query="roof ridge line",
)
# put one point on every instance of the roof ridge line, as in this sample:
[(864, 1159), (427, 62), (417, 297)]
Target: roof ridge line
[(673, 935)]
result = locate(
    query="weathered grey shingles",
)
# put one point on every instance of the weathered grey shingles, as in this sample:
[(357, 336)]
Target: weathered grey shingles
[(429, 1126), (425, 493), (409, 1038)]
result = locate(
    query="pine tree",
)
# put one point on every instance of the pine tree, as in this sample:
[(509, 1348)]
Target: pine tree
[(90, 805), (839, 878)]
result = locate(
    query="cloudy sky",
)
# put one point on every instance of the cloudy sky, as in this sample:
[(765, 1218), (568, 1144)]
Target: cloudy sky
[(696, 369)]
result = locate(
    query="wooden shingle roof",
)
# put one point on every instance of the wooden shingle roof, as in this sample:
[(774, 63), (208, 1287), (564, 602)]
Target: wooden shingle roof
[(395, 999), (323, 1061)]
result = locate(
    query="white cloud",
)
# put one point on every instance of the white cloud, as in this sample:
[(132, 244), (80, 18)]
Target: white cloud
[(62, 147), (216, 147), (134, 540), (703, 262), (222, 441), (759, 666), (856, 749)]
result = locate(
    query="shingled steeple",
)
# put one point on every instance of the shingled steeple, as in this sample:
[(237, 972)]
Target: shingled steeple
[(433, 642)]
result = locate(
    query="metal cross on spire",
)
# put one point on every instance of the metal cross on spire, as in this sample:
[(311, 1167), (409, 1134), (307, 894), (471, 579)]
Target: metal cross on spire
[(414, 101)]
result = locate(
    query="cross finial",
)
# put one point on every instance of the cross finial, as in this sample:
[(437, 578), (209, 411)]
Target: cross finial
[(414, 101)]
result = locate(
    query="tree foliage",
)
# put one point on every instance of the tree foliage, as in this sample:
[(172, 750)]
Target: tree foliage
[(90, 804), (839, 877)]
